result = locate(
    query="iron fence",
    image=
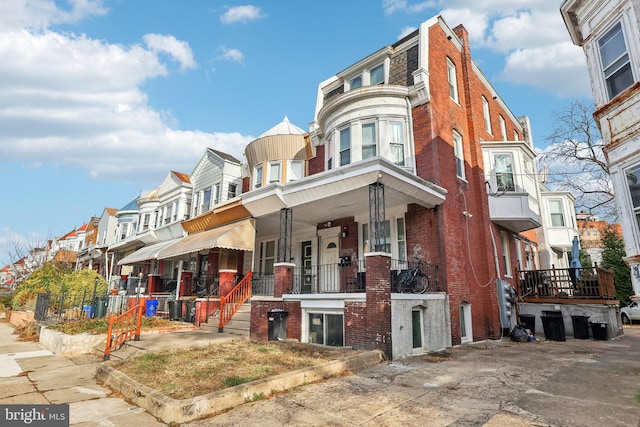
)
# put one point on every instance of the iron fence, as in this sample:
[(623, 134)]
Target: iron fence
[(262, 285)]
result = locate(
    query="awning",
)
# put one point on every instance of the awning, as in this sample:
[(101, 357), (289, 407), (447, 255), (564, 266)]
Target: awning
[(146, 253), (237, 235)]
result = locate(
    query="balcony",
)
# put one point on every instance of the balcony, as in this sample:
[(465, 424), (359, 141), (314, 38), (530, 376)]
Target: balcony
[(592, 285)]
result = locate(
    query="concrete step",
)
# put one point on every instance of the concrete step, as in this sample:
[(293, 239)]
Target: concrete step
[(240, 323)]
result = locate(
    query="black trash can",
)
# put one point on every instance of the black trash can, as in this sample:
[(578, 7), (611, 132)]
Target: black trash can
[(277, 325), (189, 311), (529, 320), (553, 325), (580, 327), (175, 310), (599, 330)]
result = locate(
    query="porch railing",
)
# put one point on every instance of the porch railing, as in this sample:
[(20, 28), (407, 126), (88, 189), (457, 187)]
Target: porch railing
[(262, 285), (122, 328), (206, 285), (233, 301), (577, 283), (350, 276)]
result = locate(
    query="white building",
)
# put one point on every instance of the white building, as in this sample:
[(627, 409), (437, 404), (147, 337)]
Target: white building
[(608, 31)]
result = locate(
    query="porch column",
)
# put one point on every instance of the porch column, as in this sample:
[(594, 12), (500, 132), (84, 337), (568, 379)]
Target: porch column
[(227, 281), (378, 311), (153, 283), (282, 278)]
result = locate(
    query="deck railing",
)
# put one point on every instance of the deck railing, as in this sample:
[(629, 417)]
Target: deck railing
[(233, 301), (577, 283), (122, 328)]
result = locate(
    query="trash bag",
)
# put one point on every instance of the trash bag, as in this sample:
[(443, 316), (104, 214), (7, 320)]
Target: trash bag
[(520, 333)]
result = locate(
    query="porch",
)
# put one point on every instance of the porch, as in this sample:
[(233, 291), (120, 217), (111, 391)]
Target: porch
[(590, 285), (347, 277)]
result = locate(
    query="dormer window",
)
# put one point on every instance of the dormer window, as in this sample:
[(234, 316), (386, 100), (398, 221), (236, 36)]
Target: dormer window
[(367, 77), (274, 172)]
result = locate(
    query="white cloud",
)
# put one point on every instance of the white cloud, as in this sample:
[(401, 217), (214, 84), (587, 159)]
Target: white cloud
[(231, 55), (242, 14), (39, 14), (74, 101), (544, 67), (530, 34), (178, 50)]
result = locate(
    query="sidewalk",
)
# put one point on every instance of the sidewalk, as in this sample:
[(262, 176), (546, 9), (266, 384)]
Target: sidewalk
[(32, 375)]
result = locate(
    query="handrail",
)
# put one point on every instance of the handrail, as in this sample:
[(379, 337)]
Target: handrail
[(122, 328), (230, 303)]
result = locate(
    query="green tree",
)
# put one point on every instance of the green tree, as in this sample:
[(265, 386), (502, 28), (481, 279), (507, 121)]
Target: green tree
[(52, 279), (612, 260)]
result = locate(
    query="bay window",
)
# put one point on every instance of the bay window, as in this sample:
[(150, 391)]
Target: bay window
[(504, 172), (345, 146), (557, 215), (396, 143)]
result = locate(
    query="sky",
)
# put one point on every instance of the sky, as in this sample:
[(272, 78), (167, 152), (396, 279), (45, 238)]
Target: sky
[(100, 99)]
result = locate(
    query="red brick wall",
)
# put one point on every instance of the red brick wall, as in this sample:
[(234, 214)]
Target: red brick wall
[(378, 307), (355, 325), (260, 318), (316, 165), (282, 280)]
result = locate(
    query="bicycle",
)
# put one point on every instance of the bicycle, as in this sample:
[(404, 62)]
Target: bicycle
[(413, 279)]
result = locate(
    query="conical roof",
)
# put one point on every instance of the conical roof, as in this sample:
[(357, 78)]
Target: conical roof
[(285, 127)]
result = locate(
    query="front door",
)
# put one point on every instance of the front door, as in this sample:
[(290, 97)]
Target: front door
[(328, 269), (307, 276)]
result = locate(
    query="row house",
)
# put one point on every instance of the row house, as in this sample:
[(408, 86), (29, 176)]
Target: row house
[(592, 229), (101, 232), (412, 158), (609, 33), (413, 172)]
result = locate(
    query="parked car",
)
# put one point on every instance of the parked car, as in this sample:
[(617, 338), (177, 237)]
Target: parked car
[(630, 313)]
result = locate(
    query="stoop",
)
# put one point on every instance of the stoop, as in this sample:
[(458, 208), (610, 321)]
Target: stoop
[(240, 323)]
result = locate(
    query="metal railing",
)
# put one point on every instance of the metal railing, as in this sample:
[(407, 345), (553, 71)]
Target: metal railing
[(230, 303), (577, 283), (262, 285), (206, 285), (400, 267), (65, 306), (122, 328)]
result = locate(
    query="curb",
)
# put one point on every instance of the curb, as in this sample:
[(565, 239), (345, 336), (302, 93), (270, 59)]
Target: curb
[(171, 410)]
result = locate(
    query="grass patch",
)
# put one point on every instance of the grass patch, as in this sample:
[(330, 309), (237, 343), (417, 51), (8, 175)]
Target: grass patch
[(188, 373)]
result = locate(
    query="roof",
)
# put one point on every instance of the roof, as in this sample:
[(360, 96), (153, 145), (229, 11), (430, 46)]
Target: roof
[(83, 227), (181, 176), (111, 211), (131, 206), (224, 156), (285, 127)]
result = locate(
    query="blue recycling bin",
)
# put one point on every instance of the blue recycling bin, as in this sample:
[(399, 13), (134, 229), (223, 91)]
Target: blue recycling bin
[(151, 306), (88, 309)]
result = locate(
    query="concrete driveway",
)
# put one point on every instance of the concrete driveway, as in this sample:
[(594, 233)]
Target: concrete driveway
[(546, 383)]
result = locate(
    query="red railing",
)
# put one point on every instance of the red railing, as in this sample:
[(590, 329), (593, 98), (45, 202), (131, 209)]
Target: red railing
[(122, 328), (233, 301)]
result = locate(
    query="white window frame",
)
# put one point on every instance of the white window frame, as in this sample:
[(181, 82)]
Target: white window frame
[(259, 176), (205, 200), (506, 253), (379, 66), (632, 173), (324, 313), (265, 260), (275, 172), (458, 152), (168, 212), (453, 80), (466, 331), (217, 193), (505, 172), (296, 170), (397, 142), (342, 147), (232, 190), (617, 64), (486, 114), (370, 144), (503, 127), (557, 213), (330, 156)]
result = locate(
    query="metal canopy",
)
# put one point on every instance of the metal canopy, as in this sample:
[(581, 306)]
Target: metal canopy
[(146, 253)]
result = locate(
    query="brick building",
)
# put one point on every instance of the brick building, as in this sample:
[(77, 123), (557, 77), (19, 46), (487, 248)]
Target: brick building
[(412, 156)]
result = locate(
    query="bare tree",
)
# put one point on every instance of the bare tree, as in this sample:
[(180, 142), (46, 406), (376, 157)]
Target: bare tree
[(25, 255), (575, 162)]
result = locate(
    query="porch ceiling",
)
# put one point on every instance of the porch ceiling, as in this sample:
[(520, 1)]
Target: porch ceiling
[(343, 192)]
